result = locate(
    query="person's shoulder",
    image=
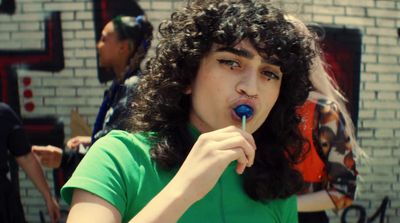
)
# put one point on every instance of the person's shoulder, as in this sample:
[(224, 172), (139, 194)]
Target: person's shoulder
[(286, 207), (5, 109), (288, 202), (140, 142), (129, 137)]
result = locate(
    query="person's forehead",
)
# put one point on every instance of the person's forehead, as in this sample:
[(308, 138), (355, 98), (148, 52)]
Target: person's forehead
[(247, 50), (108, 28)]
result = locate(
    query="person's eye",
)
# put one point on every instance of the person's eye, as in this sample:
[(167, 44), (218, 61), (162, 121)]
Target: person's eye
[(270, 75), (231, 63)]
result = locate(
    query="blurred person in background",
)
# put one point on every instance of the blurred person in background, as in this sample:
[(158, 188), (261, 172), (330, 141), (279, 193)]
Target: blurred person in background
[(14, 142)]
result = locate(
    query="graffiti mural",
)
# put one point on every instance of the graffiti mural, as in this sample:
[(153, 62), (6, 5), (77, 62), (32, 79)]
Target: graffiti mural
[(342, 51), (7, 6), (51, 58)]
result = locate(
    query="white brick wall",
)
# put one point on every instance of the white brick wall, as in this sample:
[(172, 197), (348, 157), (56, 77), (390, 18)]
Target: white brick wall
[(76, 87)]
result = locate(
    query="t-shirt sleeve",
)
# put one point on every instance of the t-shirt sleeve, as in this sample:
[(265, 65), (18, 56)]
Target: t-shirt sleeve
[(17, 141), (104, 171), (291, 209)]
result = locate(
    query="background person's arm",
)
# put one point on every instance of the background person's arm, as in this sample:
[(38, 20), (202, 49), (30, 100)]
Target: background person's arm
[(32, 168), (317, 201)]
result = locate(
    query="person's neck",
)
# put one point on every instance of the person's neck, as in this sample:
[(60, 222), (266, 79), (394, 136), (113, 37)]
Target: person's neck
[(119, 72)]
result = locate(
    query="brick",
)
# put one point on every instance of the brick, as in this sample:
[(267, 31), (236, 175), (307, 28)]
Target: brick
[(365, 133), (64, 110), (72, 25), (387, 96), (91, 63), (9, 45), (84, 15), (40, 110), (382, 86), (368, 95), (383, 13), (66, 91), (327, 10), (85, 72), (34, 7), (7, 27), (67, 16), (76, 6), (386, 4), (161, 5), (385, 22), (28, 17), (29, 26), (65, 101), (92, 82), (355, 11), (73, 63), (94, 101), (324, 2), (44, 92), (387, 59), (382, 153), (85, 53), (88, 25), (158, 15), (32, 45), (145, 5), (383, 134), (379, 179), (364, 3), (84, 34), (381, 187), (323, 18), (387, 41), (382, 143), (355, 21), (368, 39), (385, 114), (23, 35), (381, 31), (89, 6), (384, 124), (91, 92), (382, 68), (63, 82), (90, 43), (74, 43), (369, 58), (93, 110)]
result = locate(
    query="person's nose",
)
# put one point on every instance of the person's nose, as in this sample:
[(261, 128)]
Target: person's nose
[(248, 83), (98, 45)]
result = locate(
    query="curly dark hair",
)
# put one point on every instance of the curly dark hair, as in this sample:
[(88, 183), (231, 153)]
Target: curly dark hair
[(186, 38)]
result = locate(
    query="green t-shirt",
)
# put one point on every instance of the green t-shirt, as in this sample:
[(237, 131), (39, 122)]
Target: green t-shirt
[(118, 168)]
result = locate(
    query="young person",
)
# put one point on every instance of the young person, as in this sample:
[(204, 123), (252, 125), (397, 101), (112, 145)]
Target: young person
[(122, 47), (328, 167), (189, 159), (13, 141)]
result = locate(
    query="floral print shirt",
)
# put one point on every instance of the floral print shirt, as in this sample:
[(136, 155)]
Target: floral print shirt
[(333, 148)]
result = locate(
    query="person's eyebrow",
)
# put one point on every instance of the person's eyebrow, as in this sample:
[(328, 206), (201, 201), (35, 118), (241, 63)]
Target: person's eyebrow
[(244, 53), (238, 52)]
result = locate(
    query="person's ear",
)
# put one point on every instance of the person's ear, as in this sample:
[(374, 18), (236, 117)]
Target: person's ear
[(124, 46)]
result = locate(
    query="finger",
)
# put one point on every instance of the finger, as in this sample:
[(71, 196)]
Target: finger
[(240, 168), (230, 131), (238, 155), (243, 144)]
